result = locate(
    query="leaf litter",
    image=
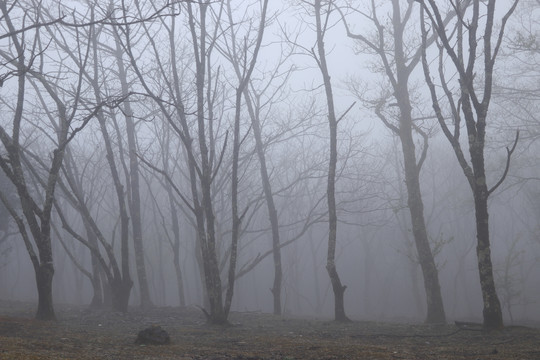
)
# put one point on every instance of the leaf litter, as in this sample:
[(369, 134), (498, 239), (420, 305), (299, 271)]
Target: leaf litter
[(82, 333)]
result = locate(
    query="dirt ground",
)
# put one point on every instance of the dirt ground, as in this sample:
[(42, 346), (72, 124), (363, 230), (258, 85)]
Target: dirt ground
[(80, 333)]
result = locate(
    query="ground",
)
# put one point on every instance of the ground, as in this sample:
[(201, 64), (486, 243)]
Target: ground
[(80, 333)]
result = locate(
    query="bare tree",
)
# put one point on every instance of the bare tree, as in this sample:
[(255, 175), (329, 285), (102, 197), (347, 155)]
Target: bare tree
[(195, 128), (465, 48), (321, 21), (174, 206), (244, 69), (398, 61), (515, 87), (76, 180), (25, 63), (132, 180), (236, 50), (118, 279)]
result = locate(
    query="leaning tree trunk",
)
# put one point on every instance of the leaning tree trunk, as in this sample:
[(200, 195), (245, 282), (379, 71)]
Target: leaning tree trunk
[(435, 307), (434, 302)]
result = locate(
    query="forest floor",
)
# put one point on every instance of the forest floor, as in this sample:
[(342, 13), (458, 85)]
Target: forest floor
[(80, 333)]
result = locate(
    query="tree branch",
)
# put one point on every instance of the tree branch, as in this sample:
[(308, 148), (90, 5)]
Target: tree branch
[(509, 153)]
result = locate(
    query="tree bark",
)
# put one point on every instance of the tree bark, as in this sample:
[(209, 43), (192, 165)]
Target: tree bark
[(44, 277), (492, 308)]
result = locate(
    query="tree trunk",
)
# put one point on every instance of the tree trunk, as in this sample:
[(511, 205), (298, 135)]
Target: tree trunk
[(119, 286), (133, 184), (205, 214), (492, 307), (474, 105), (435, 307), (179, 278), (176, 248), (236, 220), (175, 224), (44, 277), (97, 298), (120, 292), (135, 211), (339, 289), (272, 213)]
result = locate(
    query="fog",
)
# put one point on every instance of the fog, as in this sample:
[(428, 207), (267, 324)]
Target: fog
[(121, 92)]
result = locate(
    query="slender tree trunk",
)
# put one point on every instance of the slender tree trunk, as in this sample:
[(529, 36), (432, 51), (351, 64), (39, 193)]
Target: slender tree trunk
[(175, 226), (179, 277), (206, 227), (120, 286), (74, 180), (176, 247), (133, 184), (253, 111), (242, 90), (97, 299), (236, 221), (316, 282), (368, 262), (107, 277), (338, 288), (239, 62), (135, 210), (272, 213)]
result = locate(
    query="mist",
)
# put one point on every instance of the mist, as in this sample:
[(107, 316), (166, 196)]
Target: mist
[(177, 155)]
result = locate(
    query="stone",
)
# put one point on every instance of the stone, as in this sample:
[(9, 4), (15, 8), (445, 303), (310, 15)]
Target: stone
[(154, 335)]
